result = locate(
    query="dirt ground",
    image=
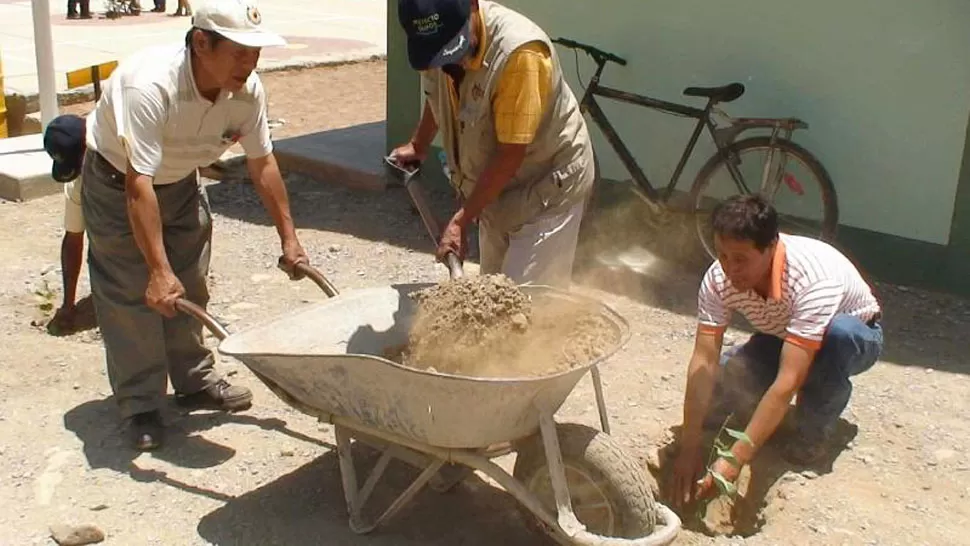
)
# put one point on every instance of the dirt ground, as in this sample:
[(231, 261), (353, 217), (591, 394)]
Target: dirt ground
[(270, 475)]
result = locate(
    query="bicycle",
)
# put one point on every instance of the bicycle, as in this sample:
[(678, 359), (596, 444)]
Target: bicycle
[(728, 154)]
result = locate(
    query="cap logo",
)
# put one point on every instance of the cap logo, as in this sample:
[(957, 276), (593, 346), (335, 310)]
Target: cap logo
[(252, 13), (427, 25), (458, 46)]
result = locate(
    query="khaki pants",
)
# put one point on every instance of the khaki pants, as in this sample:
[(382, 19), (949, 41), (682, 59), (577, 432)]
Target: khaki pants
[(539, 252), (143, 349)]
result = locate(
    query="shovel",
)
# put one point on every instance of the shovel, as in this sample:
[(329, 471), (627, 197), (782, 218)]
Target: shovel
[(408, 178)]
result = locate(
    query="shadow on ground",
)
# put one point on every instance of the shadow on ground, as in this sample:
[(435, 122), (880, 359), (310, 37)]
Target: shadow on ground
[(307, 507), (83, 320), (386, 216), (105, 441)]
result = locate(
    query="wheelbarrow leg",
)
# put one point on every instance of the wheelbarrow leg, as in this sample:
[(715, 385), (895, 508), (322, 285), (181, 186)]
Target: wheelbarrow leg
[(348, 477), (594, 372), (557, 474), (356, 498)]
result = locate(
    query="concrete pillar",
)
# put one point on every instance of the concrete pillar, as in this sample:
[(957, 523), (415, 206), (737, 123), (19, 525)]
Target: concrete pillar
[(403, 84), (4, 131), (44, 51)]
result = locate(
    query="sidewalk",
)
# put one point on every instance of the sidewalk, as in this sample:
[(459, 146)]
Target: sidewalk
[(318, 31)]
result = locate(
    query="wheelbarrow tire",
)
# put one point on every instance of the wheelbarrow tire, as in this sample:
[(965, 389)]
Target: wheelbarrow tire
[(626, 486)]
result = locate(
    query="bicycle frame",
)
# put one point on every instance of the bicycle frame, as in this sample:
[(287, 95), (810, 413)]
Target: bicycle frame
[(702, 115)]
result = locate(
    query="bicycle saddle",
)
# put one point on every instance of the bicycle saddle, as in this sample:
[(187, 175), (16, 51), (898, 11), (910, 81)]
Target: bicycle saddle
[(724, 93)]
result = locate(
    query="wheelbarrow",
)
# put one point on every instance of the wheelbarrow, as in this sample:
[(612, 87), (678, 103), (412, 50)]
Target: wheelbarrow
[(327, 361)]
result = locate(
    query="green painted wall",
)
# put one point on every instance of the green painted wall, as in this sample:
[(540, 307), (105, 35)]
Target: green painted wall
[(885, 86)]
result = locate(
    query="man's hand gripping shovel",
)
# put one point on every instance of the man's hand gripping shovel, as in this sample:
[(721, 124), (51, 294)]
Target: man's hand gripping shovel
[(408, 176)]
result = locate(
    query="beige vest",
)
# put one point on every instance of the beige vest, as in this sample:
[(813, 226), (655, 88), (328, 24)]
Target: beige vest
[(557, 171)]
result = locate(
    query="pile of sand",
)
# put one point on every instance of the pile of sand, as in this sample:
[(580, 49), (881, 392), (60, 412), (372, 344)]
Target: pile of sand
[(485, 326)]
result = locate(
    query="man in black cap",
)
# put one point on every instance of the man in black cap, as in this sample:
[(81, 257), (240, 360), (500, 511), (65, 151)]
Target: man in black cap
[(64, 142), (516, 142)]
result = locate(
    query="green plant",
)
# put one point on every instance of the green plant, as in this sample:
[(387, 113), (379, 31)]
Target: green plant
[(722, 449), (45, 297)]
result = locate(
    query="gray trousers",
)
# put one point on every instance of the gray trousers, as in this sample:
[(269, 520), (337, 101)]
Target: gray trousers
[(143, 349)]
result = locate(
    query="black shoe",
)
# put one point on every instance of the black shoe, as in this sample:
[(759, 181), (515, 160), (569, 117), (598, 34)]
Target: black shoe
[(147, 430), (219, 396)]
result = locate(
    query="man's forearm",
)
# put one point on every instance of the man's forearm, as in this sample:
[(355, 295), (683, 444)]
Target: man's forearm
[(426, 130), (700, 387), (701, 375), (792, 370), (146, 220), (502, 167), (72, 247), (769, 414), (269, 185)]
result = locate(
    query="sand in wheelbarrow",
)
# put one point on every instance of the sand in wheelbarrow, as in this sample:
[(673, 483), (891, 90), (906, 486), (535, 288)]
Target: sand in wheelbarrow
[(485, 326)]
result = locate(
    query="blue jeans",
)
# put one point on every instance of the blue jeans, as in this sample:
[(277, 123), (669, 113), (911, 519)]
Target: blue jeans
[(849, 347)]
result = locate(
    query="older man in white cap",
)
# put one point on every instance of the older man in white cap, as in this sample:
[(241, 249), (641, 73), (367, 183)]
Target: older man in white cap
[(165, 112)]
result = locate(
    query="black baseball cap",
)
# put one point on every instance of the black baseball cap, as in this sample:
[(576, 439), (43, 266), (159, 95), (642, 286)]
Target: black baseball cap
[(64, 142), (438, 31)]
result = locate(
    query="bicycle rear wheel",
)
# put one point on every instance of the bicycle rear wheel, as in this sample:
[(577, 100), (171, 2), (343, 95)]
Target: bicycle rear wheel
[(799, 187)]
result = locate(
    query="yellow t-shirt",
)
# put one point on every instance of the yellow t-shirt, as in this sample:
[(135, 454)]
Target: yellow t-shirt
[(522, 94)]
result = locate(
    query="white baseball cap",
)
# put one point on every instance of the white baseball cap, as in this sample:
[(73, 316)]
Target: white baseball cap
[(237, 20)]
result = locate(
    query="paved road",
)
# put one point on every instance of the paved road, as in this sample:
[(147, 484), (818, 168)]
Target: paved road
[(317, 31)]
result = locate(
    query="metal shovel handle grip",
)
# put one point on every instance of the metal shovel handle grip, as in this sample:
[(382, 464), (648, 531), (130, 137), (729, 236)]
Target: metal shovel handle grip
[(221, 332), (454, 266), (408, 174)]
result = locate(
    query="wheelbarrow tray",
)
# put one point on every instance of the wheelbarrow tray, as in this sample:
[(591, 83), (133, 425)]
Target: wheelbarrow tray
[(326, 360)]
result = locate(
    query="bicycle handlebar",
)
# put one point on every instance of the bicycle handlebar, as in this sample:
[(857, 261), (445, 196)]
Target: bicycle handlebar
[(594, 52)]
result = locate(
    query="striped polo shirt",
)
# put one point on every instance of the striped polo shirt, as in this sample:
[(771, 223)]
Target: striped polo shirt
[(152, 115), (811, 283)]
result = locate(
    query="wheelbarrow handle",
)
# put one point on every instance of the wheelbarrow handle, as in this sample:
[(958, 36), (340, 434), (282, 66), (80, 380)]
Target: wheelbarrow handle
[(314, 275), (221, 332), (199, 314)]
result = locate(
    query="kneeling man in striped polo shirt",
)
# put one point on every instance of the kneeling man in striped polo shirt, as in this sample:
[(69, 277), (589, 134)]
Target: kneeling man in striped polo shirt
[(817, 324), (165, 112)]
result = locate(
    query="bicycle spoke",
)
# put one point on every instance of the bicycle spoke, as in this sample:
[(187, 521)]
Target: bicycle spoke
[(787, 182)]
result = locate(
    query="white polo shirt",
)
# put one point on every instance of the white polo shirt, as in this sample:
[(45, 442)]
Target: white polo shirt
[(151, 114)]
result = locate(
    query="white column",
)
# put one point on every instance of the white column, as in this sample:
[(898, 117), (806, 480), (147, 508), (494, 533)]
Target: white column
[(44, 51)]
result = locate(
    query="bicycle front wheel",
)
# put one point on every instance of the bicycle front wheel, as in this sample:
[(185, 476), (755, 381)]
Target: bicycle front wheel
[(786, 174)]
